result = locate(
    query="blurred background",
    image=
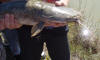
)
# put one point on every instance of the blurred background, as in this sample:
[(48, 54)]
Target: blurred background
[(85, 38)]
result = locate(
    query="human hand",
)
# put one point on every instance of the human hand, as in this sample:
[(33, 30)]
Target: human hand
[(62, 3), (9, 22), (58, 24), (55, 24)]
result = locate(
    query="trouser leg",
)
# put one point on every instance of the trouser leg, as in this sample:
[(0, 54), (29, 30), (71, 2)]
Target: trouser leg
[(31, 47), (57, 44), (58, 50)]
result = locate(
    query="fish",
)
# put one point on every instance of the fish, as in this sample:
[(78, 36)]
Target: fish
[(37, 13)]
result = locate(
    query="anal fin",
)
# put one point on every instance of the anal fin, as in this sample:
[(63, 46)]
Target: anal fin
[(37, 29)]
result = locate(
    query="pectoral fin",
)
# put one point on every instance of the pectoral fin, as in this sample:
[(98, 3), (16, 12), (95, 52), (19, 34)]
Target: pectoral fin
[(37, 28)]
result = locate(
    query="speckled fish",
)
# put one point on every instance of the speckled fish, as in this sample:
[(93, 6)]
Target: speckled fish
[(36, 13)]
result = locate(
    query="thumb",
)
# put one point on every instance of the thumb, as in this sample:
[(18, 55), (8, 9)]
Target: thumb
[(59, 3)]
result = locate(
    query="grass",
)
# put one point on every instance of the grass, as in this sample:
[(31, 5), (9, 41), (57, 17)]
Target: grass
[(81, 50)]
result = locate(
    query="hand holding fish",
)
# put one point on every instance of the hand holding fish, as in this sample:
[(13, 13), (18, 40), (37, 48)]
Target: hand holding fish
[(35, 13), (62, 3), (56, 24), (9, 22)]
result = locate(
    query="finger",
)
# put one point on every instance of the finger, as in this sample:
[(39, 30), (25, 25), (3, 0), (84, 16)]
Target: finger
[(6, 20), (55, 24), (47, 24), (12, 24), (2, 27), (59, 3)]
